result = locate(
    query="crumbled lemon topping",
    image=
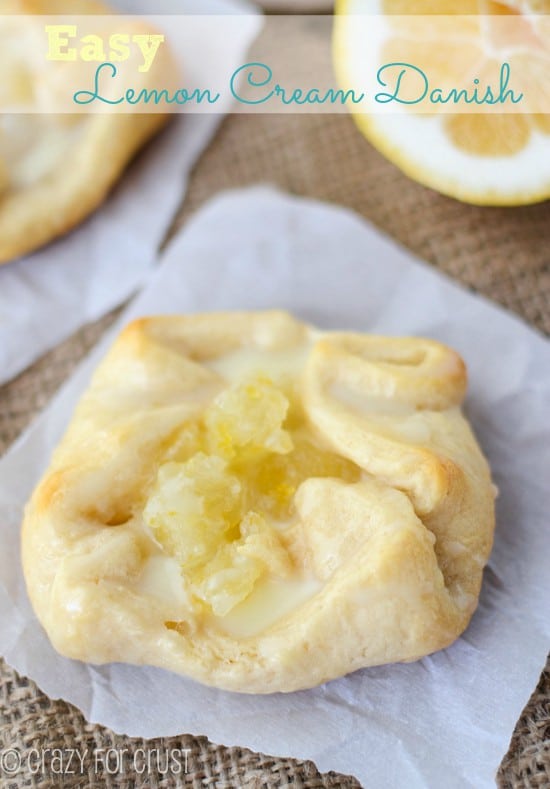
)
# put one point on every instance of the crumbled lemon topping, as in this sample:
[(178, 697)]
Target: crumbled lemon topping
[(230, 577), (192, 508), (227, 480), (248, 416)]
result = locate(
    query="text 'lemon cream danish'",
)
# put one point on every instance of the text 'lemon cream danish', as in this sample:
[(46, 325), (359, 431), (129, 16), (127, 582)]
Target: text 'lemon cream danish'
[(57, 164), (261, 506)]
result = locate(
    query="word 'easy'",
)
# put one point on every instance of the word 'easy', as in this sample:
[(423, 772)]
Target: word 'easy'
[(64, 43)]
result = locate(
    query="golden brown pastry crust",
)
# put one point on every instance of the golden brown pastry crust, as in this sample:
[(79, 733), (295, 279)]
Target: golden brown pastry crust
[(33, 215), (398, 554)]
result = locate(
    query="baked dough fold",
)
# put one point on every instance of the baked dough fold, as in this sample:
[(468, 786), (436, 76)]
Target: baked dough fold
[(57, 167), (261, 506)]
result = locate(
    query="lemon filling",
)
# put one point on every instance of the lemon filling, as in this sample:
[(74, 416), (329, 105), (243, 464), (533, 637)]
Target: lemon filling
[(220, 503)]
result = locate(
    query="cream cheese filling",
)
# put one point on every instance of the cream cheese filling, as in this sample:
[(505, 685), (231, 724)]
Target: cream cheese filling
[(271, 600), (161, 578), (246, 362)]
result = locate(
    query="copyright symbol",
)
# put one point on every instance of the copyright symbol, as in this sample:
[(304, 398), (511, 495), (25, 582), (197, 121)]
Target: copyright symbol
[(10, 761)]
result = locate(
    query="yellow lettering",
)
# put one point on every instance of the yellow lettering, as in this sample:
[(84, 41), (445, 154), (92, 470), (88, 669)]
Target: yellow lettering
[(59, 36), (92, 48), (119, 44), (148, 45)]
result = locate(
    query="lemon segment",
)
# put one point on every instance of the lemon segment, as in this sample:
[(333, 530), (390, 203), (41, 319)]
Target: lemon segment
[(479, 156)]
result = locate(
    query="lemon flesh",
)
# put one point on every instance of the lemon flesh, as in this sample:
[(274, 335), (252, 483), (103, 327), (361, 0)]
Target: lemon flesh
[(478, 157)]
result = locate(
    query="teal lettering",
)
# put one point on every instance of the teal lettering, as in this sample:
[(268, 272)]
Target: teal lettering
[(405, 68), (87, 96), (258, 75), (506, 93), (144, 96)]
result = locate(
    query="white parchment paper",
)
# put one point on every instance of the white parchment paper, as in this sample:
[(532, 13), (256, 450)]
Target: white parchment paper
[(46, 296), (444, 721)]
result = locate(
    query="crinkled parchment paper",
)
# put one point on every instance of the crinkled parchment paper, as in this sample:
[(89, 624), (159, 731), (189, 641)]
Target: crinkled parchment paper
[(443, 721)]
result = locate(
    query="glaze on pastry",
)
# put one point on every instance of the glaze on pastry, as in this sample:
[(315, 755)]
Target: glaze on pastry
[(56, 168), (261, 506)]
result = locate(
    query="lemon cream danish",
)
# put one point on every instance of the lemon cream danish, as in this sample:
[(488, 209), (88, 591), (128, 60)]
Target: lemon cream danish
[(58, 165), (261, 506)]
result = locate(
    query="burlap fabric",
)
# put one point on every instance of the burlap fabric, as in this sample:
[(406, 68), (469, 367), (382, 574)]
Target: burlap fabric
[(502, 253)]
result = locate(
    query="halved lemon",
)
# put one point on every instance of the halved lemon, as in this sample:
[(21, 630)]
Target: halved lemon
[(483, 156)]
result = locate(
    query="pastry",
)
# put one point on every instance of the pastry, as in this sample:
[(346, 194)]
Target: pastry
[(260, 505), (56, 167)]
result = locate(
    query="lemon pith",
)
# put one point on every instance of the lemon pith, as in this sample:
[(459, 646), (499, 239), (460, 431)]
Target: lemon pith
[(485, 159)]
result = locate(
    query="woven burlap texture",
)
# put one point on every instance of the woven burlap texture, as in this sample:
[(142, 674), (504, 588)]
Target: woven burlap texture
[(502, 253)]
